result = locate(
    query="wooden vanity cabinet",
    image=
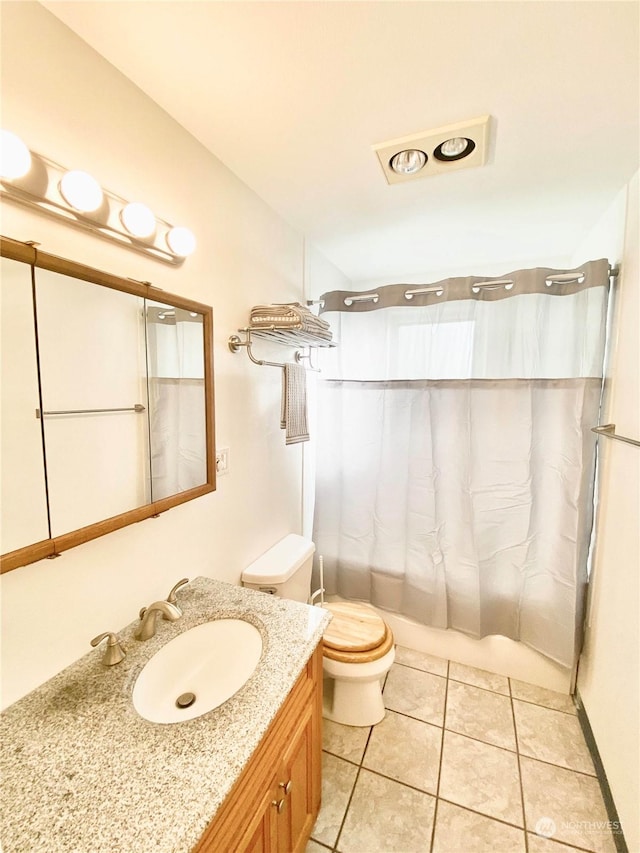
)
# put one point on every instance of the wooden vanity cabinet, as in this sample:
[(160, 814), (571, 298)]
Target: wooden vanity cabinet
[(274, 804)]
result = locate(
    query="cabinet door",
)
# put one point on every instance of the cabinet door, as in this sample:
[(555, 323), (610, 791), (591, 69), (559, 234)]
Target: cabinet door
[(259, 841), (274, 804), (295, 784), (260, 834)]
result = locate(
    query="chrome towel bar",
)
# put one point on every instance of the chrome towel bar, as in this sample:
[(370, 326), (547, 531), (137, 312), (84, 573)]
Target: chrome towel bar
[(137, 408), (609, 430)]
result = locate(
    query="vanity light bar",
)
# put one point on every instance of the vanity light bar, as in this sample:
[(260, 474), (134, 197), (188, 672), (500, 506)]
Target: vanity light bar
[(34, 181)]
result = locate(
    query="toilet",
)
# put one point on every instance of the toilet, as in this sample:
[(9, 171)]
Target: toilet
[(358, 647)]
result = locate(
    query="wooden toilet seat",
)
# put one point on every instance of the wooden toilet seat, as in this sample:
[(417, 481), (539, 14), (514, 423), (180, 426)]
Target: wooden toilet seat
[(356, 634)]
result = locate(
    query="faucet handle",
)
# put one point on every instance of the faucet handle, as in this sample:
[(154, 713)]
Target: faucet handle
[(114, 652), (171, 598)]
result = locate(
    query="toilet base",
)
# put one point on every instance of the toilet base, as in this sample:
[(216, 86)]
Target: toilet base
[(353, 691), (353, 703)]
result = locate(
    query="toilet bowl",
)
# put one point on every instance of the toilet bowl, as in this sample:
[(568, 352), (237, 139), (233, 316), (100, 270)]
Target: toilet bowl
[(358, 648), (358, 651)]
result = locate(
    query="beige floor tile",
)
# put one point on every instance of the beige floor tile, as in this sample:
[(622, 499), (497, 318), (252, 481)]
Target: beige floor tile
[(479, 678), (540, 696), (481, 777), (565, 806), (551, 736), (407, 750), (344, 741), (421, 660), (480, 714), (386, 817), (314, 847), (537, 844), (462, 831), (418, 694), (338, 778)]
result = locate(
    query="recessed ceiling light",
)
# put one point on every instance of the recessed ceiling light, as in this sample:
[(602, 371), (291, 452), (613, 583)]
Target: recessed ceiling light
[(408, 162), (454, 149), (433, 152)]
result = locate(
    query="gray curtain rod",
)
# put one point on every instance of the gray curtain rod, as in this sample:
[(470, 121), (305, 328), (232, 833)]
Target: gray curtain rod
[(539, 280)]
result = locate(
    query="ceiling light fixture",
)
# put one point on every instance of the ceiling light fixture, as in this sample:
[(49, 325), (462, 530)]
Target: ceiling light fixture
[(432, 152), (34, 181), (408, 162), (454, 149)]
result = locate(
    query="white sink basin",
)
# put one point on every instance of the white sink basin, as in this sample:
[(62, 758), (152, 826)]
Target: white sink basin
[(211, 661)]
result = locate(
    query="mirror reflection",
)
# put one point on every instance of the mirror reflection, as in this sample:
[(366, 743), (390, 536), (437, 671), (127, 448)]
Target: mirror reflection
[(93, 374), (175, 346), (107, 403)]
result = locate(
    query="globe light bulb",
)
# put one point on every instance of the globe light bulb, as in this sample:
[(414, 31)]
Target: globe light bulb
[(181, 241), (81, 191), (15, 157), (138, 219)]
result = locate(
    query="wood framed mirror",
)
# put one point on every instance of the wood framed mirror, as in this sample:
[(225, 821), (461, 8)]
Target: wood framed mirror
[(107, 403)]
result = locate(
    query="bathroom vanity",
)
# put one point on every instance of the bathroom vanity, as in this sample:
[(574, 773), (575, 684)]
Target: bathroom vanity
[(83, 771), (276, 811)]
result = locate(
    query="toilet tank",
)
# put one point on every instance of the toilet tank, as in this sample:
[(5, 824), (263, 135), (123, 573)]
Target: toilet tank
[(283, 570)]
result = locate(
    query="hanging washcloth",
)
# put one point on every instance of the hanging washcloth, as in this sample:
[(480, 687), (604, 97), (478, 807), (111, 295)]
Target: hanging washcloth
[(293, 416)]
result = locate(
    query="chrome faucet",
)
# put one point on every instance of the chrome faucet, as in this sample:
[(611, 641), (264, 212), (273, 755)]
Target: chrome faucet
[(148, 616), (168, 608)]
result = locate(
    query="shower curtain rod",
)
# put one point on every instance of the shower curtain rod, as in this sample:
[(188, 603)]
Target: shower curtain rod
[(609, 431), (492, 284)]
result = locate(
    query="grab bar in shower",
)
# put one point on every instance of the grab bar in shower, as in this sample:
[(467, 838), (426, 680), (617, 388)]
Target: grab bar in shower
[(609, 430), (137, 408)]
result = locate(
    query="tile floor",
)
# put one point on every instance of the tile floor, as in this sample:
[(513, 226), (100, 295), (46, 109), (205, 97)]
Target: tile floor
[(465, 761)]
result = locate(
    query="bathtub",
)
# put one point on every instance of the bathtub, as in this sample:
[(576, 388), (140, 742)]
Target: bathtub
[(495, 653)]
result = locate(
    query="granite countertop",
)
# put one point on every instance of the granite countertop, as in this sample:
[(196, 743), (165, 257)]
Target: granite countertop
[(82, 772)]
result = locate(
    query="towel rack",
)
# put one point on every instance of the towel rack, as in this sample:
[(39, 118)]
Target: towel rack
[(609, 430), (137, 408), (288, 337)]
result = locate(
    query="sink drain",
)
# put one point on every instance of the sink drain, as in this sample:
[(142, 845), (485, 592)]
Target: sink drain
[(185, 700)]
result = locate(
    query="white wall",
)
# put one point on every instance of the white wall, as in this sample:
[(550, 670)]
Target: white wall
[(70, 105), (609, 670)]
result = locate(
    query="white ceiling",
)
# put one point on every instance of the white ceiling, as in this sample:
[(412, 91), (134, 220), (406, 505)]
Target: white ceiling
[(292, 95)]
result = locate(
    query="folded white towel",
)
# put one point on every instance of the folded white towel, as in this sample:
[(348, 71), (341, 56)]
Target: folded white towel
[(293, 416)]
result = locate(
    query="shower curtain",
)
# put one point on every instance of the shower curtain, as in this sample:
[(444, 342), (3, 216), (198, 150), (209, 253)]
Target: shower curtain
[(455, 459)]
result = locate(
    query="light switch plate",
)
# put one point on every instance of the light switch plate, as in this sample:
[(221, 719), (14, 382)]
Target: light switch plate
[(222, 461)]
